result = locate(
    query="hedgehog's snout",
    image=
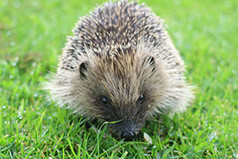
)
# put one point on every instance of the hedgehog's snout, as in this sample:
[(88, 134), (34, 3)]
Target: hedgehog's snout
[(127, 130), (129, 135)]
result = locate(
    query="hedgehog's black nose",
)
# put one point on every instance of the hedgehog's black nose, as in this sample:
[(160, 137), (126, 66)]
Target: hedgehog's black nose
[(129, 136)]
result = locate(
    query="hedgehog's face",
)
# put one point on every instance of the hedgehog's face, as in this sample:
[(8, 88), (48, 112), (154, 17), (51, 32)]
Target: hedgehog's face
[(123, 90)]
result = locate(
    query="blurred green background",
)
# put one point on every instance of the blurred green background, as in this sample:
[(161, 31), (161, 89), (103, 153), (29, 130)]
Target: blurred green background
[(32, 35)]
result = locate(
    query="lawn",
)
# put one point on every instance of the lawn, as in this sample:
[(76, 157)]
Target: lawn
[(32, 34)]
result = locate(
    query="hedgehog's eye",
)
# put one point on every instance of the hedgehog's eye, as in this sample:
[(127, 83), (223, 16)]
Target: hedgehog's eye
[(141, 98), (105, 102)]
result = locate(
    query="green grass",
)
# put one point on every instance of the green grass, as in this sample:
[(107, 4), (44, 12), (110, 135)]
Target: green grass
[(32, 34)]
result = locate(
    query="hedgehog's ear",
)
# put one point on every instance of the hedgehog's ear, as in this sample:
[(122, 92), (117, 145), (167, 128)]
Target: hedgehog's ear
[(83, 68), (150, 61)]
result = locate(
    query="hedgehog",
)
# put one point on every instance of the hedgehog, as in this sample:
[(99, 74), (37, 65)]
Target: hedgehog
[(121, 65)]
